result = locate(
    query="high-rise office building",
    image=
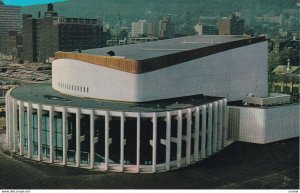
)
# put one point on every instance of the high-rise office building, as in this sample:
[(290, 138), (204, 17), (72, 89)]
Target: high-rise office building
[(139, 28), (44, 36), (10, 27), (152, 28), (10, 18), (166, 28), (232, 26), (204, 29)]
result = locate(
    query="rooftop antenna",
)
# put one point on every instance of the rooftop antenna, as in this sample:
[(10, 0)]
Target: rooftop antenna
[(288, 64)]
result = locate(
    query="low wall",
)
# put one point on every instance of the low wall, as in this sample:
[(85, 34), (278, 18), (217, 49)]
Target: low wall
[(263, 125)]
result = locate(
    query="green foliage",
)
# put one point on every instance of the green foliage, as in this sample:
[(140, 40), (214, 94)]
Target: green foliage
[(293, 55), (133, 10), (274, 61), (123, 34)]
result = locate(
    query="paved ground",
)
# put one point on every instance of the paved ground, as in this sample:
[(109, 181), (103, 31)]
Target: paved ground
[(239, 166)]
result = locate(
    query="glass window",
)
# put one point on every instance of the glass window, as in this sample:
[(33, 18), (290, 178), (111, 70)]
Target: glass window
[(45, 136), (25, 131), (35, 133), (58, 137), (58, 132)]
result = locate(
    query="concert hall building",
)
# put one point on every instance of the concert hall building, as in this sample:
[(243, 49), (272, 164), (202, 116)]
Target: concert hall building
[(147, 107)]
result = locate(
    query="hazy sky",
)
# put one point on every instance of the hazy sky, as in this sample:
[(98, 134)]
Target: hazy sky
[(28, 2)]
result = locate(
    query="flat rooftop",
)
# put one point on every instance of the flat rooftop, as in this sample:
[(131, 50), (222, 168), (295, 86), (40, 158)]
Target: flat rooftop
[(160, 48), (43, 93), (150, 56)]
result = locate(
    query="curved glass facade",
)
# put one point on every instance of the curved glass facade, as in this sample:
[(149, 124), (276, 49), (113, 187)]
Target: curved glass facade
[(114, 140)]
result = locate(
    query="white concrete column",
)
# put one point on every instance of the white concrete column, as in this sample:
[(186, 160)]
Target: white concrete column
[(188, 136), (51, 131), (29, 130), (168, 141), (196, 135), (39, 131), (21, 127), (9, 124), (122, 144), (138, 141), (64, 135), (7, 110), (106, 140), (179, 137), (225, 122), (78, 150), (92, 139), (14, 125), (215, 128), (203, 132), (209, 130), (154, 142), (220, 124)]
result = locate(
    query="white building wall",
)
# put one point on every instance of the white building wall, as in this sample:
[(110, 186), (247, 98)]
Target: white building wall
[(282, 123), (252, 127), (103, 83), (231, 74), (265, 125)]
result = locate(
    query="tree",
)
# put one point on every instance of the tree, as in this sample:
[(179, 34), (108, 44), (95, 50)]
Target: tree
[(123, 34)]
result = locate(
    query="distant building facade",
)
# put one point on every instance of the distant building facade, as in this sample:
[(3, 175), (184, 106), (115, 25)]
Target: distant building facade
[(232, 26), (285, 79), (139, 28), (11, 44), (10, 18), (10, 27), (152, 29), (163, 29), (166, 28), (204, 29), (44, 36)]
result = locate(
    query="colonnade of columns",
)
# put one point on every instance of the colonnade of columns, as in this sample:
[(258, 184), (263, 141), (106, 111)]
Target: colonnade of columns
[(203, 134)]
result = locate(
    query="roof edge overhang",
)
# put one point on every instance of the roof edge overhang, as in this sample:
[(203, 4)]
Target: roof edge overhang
[(122, 64)]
